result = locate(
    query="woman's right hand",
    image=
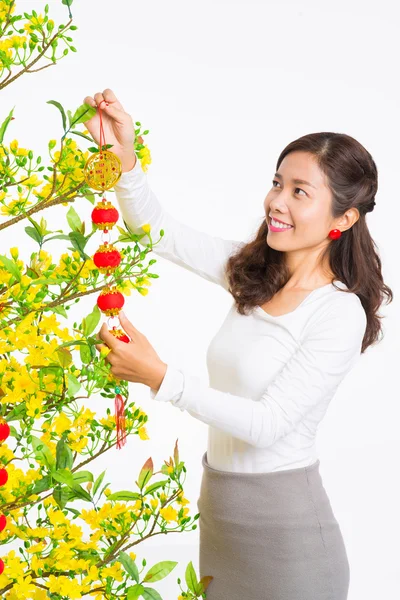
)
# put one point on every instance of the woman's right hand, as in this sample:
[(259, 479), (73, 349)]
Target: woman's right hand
[(118, 127)]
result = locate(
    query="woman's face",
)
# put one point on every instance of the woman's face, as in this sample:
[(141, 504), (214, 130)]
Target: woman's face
[(305, 206)]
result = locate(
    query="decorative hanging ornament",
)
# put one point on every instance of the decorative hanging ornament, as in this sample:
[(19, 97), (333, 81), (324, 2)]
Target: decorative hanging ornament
[(3, 476), (110, 301), (3, 522), (102, 171), (4, 430)]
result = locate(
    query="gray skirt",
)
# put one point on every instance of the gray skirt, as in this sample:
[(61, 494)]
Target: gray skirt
[(270, 536)]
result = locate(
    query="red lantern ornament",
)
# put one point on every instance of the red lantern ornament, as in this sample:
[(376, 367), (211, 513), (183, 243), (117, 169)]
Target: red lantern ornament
[(4, 430), (3, 476), (107, 258), (3, 522), (1, 566), (105, 215), (102, 171), (120, 335), (110, 301)]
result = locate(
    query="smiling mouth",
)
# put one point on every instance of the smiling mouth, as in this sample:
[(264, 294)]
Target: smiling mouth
[(287, 224)]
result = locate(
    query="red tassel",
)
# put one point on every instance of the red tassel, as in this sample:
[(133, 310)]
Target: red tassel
[(120, 420)]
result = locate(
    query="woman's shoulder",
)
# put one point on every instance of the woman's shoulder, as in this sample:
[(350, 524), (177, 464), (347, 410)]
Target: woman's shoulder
[(342, 307)]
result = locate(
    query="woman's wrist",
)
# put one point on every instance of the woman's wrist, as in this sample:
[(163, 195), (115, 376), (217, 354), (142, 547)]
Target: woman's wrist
[(128, 162)]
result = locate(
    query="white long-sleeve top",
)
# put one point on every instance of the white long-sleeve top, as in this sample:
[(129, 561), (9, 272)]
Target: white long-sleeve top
[(271, 378)]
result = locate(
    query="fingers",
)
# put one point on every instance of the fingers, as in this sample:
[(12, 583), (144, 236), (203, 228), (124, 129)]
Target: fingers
[(89, 100), (98, 98), (112, 99), (107, 95)]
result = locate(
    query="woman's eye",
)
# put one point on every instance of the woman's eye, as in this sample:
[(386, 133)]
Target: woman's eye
[(274, 181)]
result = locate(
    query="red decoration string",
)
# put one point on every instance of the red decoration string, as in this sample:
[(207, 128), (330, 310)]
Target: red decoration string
[(118, 402), (101, 127), (120, 421)]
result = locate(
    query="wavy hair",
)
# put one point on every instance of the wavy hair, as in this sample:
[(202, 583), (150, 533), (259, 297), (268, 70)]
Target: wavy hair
[(256, 271)]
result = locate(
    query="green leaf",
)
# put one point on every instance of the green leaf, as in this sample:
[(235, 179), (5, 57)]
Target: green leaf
[(64, 357), (82, 476), (154, 486), (98, 482), (74, 219), (83, 135), (62, 236), (41, 485), (73, 343), (91, 197), (90, 322), (129, 565), (64, 458), (62, 495), (62, 111), (79, 242), (43, 455), (34, 234), (124, 495), (11, 267), (73, 385), (47, 281), (151, 594), (67, 2), (191, 579), (145, 473), (160, 570), (60, 310), (134, 592), (65, 476), (82, 494), (83, 113), (5, 124), (85, 354)]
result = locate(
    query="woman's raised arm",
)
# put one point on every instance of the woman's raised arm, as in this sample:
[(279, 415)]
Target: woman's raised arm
[(186, 246)]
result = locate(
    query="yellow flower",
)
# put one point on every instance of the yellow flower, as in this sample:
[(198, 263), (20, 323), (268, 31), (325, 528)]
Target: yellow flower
[(169, 513), (115, 571), (18, 41), (14, 252), (143, 433), (61, 423), (146, 228), (33, 181)]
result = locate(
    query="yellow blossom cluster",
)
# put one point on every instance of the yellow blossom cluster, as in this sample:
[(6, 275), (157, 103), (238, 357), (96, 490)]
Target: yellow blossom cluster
[(109, 424), (145, 157), (19, 383), (62, 541), (17, 485), (69, 265), (70, 173), (78, 428), (6, 8)]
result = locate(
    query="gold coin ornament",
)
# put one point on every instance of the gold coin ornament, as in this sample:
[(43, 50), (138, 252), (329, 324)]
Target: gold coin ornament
[(102, 170)]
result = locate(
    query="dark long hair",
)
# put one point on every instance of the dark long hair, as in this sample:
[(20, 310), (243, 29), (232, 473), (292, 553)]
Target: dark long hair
[(256, 271)]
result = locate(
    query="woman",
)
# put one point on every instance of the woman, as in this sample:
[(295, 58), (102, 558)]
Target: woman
[(306, 292)]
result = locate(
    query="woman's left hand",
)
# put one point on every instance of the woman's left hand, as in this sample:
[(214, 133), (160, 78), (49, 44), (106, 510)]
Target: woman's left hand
[(137, 361)]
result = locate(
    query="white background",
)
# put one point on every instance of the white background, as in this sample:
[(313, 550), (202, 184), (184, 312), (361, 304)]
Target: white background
[(223, 88)]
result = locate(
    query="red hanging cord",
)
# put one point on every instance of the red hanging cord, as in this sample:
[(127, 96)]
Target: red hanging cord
[(118, 401)]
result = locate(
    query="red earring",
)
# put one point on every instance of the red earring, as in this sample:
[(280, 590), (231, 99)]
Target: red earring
[(334, 234)]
